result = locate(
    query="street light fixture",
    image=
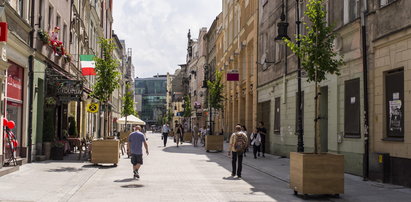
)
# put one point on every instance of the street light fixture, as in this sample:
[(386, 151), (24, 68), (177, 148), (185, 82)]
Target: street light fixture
[(282, 34)]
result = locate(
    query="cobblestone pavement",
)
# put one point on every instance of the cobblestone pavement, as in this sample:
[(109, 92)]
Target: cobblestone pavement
[(185, 173)]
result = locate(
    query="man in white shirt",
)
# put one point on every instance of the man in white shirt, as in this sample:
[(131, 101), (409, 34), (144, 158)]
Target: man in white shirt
[(165, 130)]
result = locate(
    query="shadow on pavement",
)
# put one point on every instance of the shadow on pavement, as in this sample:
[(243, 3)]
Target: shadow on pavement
[(275, 189), (65, 169), (132, 186), (125, 180)]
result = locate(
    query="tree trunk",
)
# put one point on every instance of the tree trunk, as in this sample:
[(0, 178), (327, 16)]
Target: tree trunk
[(317, 137)]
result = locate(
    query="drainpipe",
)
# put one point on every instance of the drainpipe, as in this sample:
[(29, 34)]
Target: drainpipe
[(31, 75), (365, 83)]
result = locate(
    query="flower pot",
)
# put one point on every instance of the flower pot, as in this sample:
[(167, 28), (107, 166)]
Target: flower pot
[(47, 149), (105, 151), (57, 153), (188, 137), (214, 142), (317, 173)]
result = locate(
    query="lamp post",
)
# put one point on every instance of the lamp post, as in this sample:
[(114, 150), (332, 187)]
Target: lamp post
[(282, 33)]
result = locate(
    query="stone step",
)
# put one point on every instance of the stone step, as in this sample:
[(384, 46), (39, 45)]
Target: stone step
[(41, 157), (8, 170)]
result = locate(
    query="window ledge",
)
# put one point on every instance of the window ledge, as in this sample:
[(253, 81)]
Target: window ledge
[(353, 136), (393, 139)]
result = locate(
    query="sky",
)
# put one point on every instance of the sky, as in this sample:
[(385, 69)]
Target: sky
[(156, 30)]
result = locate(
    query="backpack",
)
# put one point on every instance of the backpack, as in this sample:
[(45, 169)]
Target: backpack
[(240, 143)]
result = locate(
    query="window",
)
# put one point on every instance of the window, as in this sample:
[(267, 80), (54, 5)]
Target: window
[(385, 2), (58, 25), (352, 108), (350, 10), (64, 34), (40, 13), (50, 17), (277, 114), (20, 7), (296, 110), (394, 103)]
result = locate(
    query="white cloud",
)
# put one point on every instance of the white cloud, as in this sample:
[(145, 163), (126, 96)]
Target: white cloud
[(156, 30)]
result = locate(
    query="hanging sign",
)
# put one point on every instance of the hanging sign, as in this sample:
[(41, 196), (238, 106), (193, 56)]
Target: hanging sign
[(233, 75), (3, 31), (92, 107)]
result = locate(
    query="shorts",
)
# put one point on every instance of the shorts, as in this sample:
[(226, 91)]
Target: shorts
[(136, 159)]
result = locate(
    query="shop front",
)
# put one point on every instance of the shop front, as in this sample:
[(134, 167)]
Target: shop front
[(14, 106)]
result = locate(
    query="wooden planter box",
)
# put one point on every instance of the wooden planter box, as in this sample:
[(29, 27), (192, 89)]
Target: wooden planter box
[(188, 137), (105, 151), (317, 173), (214, 142)]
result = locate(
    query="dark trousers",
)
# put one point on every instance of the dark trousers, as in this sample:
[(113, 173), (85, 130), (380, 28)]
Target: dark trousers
[(165, 137), (255, 150), (235, 156), (262, 144)]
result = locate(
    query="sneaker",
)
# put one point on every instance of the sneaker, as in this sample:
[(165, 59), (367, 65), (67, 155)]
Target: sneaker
[(232, 174), (239, 176), (136, 175)]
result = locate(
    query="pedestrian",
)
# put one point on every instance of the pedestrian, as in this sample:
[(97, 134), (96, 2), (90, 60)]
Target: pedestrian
[(165, 130), (255, 142), (203, 134), (244, 130), (136, 140), (195, 134), (238, 143), (263, 132), (182, 134), (178, 134)]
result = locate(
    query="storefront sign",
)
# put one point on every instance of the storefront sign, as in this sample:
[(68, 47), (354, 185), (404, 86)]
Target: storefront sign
[(92, 107), (69, 87), (233, 75), (15, 82), (3, 31)]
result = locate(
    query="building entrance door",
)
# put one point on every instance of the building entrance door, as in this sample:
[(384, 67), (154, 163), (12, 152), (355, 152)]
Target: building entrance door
[(324, 118), (263, 116)]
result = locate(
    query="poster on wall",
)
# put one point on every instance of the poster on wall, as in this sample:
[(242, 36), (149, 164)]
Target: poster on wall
[(395, 115)]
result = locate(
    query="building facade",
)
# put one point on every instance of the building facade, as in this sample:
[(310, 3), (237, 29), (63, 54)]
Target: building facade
[(237, 51), (153, 98)]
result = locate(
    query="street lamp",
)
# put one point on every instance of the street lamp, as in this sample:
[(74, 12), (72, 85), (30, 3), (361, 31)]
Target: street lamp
[(282, 34)]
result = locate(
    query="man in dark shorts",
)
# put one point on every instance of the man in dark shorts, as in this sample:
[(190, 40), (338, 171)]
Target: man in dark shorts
[(136, 140)]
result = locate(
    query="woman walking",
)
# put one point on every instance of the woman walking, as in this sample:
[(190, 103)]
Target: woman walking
[(256, 142), (178, 134)]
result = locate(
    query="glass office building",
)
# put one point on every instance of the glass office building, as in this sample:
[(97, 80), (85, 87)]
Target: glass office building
[(151, 93)]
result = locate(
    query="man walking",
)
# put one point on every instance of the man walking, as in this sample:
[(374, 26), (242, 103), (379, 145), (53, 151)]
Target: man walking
[(136, 140), (165, 130), (263, 132), (238, 143)]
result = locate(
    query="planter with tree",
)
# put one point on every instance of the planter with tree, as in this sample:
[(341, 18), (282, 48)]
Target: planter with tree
[(317, 173), (107, 80), (215, 101), (188, 135)]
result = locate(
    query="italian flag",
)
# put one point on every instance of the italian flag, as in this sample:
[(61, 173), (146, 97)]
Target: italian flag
[(87, 65)]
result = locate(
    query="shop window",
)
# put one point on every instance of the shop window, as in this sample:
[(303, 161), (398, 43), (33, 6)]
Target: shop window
[(296, 110), (394, 103), (352, 108), (277, 114)]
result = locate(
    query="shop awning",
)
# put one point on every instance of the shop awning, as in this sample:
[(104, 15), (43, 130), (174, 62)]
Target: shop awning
[(131, 119)]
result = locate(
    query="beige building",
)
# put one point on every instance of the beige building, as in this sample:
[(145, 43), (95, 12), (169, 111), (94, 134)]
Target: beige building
[(237, 50)]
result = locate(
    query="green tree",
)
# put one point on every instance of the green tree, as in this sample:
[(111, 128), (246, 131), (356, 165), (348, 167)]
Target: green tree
[(128, 103), (317, 56), (215, 92), (108, 77), (72, 131), (187, 106)]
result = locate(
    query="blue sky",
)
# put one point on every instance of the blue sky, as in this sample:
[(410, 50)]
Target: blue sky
[(156, 30)]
